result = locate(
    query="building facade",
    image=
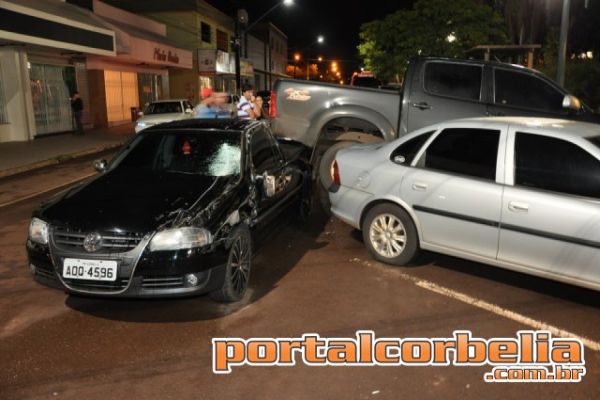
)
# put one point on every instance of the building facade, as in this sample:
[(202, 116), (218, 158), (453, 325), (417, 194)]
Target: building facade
[(267, 52), (43, 49), (50, 49)]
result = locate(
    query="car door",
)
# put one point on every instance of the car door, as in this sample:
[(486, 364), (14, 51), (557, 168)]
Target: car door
[(551, 208), (445, 90), (525, 94), (276, 181), (454, 191)]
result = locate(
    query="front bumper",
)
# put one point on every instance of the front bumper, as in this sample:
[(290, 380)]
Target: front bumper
[(141, 273)]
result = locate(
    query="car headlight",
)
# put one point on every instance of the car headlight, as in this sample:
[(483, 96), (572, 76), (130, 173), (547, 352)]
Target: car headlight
[(38, 231), (180, 238)]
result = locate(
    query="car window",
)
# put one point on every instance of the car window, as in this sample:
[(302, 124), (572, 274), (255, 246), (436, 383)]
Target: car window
[(595, 140), (454, 80), (262, 153), (512, 88), (207, 154), (556, 165), (470, 152), (406, 152)]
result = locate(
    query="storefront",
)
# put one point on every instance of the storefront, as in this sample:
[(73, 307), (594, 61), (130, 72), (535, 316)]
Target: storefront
[(43, 51), (139, 73)]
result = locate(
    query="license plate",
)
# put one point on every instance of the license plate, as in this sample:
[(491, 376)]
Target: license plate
[(90, 270)]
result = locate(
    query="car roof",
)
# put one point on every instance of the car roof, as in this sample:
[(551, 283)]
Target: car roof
[(167, 101), (225, 124), (558, 127)]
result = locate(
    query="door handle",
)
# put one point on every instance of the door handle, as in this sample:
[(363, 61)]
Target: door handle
[(420, 186), (422, 105), (516, 206)]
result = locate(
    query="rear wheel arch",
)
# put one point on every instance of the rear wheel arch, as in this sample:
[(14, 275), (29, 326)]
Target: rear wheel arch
[(401, 205)]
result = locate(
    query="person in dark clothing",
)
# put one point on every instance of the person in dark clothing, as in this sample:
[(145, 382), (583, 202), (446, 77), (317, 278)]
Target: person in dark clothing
[(77, 107)]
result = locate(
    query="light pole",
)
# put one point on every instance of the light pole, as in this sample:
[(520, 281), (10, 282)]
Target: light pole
[(562, 43), (240, 30), (296, 59)]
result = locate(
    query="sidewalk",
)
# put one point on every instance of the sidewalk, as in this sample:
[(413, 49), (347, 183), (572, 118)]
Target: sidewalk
[(18, 157)]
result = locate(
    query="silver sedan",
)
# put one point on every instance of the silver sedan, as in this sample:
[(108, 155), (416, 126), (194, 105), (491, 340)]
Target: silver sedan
[(517, 193)]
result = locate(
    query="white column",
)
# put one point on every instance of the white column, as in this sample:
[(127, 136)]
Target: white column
[(17, 95)]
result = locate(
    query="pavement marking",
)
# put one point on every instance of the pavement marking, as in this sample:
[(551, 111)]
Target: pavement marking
[(503, 312), (31, 196), (495, 309)]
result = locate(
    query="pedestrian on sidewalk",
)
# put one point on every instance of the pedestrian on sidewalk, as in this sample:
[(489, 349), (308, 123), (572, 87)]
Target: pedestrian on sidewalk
[(77, 107)]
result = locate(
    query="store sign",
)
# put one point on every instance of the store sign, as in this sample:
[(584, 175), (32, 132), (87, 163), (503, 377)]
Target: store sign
[(224, 63), (166, 56), (206, 60)]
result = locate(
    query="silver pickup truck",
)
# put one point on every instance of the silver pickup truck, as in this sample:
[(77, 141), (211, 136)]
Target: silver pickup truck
[(327, 117)]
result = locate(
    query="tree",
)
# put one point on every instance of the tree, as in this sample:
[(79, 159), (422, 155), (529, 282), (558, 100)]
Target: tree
[(431, 27)]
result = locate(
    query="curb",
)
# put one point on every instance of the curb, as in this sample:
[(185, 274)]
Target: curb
[(58, 160)]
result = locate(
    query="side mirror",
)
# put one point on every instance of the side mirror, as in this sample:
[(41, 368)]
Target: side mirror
[(189, 111), (140, 114), (571, 102), (101, 165)]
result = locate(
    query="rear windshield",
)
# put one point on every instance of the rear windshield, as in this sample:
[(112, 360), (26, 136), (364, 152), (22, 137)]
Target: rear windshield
[(163, 108), (366, 81), (198, 153)]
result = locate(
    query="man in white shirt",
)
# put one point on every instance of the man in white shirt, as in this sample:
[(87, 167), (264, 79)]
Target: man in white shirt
[(245, 107)]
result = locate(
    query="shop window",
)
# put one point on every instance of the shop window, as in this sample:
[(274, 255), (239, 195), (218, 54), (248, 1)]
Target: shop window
[(50, 94), (3, 114), (205, 32), (222, 41), (149, 88)]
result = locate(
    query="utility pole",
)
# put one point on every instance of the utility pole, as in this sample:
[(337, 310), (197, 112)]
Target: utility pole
[(562, 43)]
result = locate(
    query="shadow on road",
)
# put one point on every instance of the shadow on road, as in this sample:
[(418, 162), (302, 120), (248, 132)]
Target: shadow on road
[(276, 255), (523, 281)]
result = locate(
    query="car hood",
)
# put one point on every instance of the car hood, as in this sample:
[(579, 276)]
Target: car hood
[(133, 202)]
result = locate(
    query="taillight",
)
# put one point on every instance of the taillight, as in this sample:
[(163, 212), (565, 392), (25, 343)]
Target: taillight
[(273, 105), (335, 173)]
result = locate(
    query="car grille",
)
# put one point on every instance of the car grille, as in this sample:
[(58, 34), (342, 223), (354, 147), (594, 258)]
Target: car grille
[(98, 286), (111, 242), (162, 282)]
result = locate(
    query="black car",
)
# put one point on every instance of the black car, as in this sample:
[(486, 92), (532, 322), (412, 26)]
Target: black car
[(171, 215)]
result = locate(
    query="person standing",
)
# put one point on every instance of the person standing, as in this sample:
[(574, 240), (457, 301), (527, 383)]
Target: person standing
[(245, 107), (77, 108)]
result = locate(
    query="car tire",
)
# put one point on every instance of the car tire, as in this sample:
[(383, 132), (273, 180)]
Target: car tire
[(390, 235), (238, 267)]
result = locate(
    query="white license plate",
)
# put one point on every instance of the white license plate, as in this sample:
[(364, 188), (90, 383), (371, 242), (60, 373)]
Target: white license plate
[(91, 270)]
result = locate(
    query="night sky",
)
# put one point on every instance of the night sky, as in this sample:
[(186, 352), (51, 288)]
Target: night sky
[(339, 21)]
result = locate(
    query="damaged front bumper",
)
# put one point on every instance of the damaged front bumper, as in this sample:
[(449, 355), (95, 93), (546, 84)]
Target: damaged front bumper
[(140, 272)]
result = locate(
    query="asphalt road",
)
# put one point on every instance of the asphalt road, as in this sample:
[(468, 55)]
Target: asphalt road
[(314, 277)]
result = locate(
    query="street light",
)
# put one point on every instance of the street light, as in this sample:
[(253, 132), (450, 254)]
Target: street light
[(242, 19), (296, 59), (320, 40)]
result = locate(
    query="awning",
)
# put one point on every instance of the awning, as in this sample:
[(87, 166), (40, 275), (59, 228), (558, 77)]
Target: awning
[(56, 24)]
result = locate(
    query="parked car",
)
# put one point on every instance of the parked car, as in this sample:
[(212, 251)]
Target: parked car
[(171, 215), (518, 193), (329, 117), (161, 111)]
